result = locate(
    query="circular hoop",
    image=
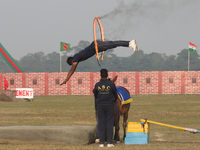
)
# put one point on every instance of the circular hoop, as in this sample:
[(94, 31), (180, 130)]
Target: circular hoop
[(96, 19)]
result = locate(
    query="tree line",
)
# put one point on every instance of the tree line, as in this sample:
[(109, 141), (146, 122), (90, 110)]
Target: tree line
[(138, 61)]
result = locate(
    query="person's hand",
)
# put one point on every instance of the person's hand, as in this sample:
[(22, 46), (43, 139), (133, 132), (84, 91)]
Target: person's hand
[(114, 79), (64, 82)]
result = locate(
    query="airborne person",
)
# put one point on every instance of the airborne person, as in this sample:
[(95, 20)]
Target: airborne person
[(90, 51)]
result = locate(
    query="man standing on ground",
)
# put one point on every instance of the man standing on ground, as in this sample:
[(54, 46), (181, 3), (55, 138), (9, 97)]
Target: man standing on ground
[(105, 94)]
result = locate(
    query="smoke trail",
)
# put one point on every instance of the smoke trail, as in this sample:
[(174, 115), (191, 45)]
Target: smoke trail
[(139, 16)]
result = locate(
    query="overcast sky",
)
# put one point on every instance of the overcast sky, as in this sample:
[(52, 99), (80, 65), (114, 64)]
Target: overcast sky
[(163, 26)]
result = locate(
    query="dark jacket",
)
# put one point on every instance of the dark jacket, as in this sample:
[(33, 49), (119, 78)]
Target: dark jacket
[(105, 92)]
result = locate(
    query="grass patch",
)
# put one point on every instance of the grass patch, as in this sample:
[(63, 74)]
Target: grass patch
[(179, 110)]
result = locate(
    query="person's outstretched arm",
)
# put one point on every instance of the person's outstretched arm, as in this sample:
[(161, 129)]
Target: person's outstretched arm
[(70, 73)]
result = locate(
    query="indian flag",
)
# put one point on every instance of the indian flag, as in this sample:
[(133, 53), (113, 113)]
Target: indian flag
[(192, 47)]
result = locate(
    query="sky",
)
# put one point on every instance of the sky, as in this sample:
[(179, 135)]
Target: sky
[(161, 26)]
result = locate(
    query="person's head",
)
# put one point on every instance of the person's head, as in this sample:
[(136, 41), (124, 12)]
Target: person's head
[(70, 60), (104, 73)]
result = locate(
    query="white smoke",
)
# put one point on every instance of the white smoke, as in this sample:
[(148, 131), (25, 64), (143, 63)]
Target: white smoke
[(153, 21)]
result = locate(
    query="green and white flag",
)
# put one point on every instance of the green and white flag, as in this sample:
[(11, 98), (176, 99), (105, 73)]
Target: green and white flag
[(64, 46), (192, 47)]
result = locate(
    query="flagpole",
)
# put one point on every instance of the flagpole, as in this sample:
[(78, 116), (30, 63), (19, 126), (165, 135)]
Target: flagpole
[(63, 47), (60, 62), (188, 60)]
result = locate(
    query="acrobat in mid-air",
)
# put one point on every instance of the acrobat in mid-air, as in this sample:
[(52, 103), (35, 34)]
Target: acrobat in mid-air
[(90, 51)]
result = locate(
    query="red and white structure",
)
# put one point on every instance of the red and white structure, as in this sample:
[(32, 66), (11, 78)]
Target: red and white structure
[(82, 83)]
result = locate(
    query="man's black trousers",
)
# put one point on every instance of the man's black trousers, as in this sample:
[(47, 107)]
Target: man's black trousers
[(106, 115)]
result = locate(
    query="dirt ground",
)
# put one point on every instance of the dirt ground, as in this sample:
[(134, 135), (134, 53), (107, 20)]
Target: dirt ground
[(5, 98), (9, 96)]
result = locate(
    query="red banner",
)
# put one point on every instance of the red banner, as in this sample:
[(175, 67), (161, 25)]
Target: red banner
[(5, 83)]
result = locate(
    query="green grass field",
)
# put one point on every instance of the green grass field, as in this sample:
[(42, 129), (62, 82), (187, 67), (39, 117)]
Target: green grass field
[(178, 110)]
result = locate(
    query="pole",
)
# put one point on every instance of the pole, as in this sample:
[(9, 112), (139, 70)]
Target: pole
[(171, 126), (162, 124), (60, 62), (188, 60)]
